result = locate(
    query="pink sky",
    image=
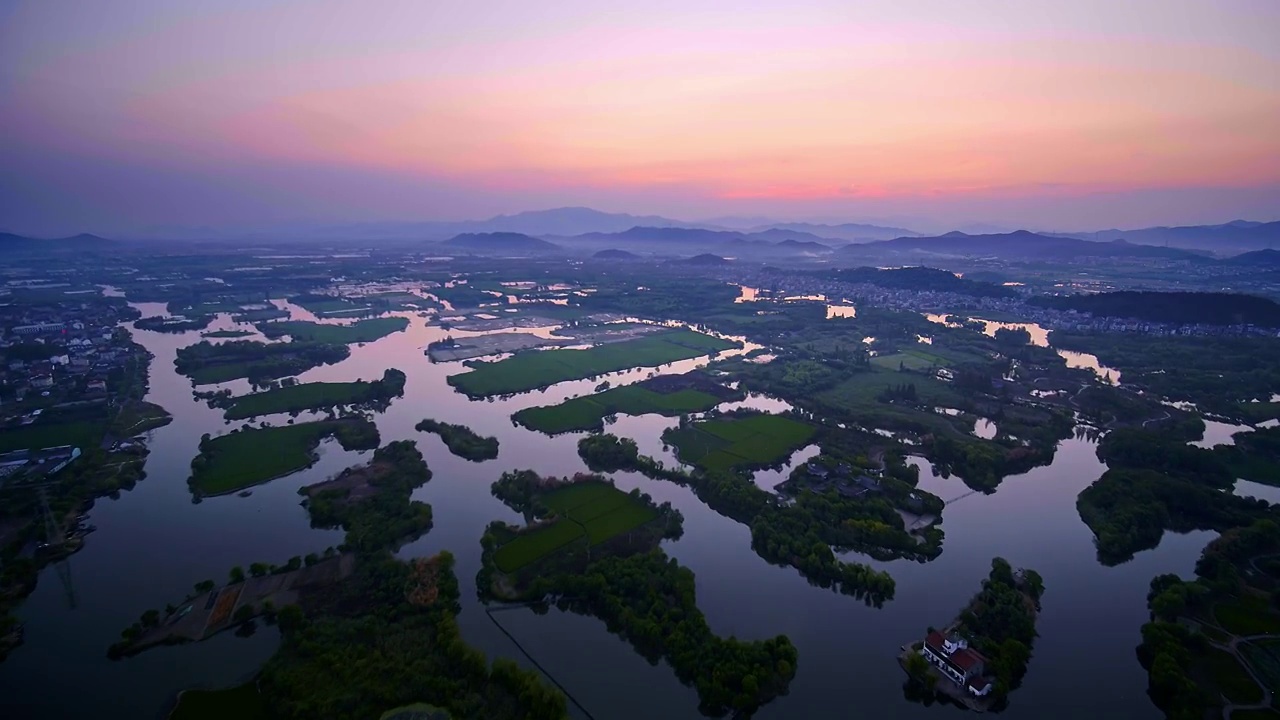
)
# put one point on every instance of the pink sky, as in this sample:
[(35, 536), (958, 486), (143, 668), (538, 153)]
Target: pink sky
[(1048, 114)]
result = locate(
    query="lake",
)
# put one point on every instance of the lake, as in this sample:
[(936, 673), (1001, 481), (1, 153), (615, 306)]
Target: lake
[(153, 544)]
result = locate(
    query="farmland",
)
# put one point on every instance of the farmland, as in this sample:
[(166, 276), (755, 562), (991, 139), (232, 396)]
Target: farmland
[(751, 441), (80, 433), (910, 359), (361, 331), (537, 369), (318, 395), (245, 458), (693, 392), (595, 511)]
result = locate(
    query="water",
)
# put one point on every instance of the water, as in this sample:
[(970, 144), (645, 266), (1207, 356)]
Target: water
[(1251, 489), (1219, 433), (1040, 338), (153, 544)]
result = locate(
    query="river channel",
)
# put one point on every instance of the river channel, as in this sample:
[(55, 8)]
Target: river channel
[(153, 544)]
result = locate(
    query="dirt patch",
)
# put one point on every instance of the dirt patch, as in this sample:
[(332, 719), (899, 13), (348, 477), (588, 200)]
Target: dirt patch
[(355, 483), (424, 577)]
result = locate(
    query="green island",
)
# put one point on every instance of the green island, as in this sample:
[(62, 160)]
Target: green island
[(226, 333), (363, 634), (745, 440), (1213, 643), (799, 535), (244, 458), (361, 331), (461, 440), (593, 550), (981, 658), (667, 395), (534, 369), (1156, 482), (296, 397), (207, 363), (159, 323), (331, 305)]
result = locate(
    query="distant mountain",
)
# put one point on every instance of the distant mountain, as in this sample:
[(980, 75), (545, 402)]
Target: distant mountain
[(1172, 307), (849, 232), (1257, 258), (783, 236), (571, 221), (499, 243), (1021, 244), (80, 243), (1228, 238), (804, 246), (615, 254)]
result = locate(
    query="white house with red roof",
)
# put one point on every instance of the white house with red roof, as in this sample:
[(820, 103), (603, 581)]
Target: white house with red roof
[(960, 663)]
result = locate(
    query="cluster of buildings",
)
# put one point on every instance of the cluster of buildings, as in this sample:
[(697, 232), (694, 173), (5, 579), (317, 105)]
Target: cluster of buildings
[(64, 353), (957, 662)]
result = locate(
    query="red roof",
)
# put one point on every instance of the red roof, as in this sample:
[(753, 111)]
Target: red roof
[(979, 683), (935, 640), (965, 659)]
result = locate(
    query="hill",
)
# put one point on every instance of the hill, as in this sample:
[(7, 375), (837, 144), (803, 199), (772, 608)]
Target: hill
[(1018, 244), (921, 279), (499, 242), (80, 243), (1227, 238), (705, 259), (848, 232), (1257, 258), (1183, 308), (615, 254)]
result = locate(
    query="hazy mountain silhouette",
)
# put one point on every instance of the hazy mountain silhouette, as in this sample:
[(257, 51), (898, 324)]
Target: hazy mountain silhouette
[(615, 254), (1235, 236), (499, 243), (81, 242), (849, 232), (1018, 244)]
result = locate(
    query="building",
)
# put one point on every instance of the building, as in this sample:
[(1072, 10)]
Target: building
[(960, 663), (37, 328)]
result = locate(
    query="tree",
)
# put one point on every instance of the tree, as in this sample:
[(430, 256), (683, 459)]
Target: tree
[(237, 574), (259, 569)]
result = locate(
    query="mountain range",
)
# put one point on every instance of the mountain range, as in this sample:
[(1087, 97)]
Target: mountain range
[(1020, 244)]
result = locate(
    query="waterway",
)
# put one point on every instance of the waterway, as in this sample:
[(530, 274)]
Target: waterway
[(153, 544)]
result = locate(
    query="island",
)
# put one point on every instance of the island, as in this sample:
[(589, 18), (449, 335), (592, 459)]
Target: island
[(293, 397), (981, 657), (461, 440), (361, 331), (244, 458), (592, 549), (668, 395), (208, 363)]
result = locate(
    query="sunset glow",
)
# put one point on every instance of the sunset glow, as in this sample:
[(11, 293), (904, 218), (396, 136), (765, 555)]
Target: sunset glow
[(829, 107)]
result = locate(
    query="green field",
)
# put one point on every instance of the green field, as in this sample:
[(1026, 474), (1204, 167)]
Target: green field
[(305, 396), (1264, 658), (588, 412), (596, 511), (242, 703), (910, 359), (542, 368), (1231, 678), (1248, 615), (360, 331), (755, 440), (246, 458), (82, 434)]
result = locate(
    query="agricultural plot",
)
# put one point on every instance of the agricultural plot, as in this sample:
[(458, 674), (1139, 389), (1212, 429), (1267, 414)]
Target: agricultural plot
[(1264, 658), (594, 511), (81, 434), (245, 458), (537, 369), (752, 441), (911, 360), (588, 412), (358, 332)]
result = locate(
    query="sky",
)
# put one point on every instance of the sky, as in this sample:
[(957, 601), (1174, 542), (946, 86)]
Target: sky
[(134, 117)]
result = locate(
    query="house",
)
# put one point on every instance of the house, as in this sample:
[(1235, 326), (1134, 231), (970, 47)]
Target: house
[(816, 470), (960, 663), (97, 386)]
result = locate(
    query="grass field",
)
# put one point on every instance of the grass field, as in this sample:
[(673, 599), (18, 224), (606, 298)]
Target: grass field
[(756, 440), (296, 398), (910, 359), (588, 412), (1247, 615), (542, 368), (82, 434), (358, 332), (246, 458), (596, 511), (242, 703), (1231, 678)]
